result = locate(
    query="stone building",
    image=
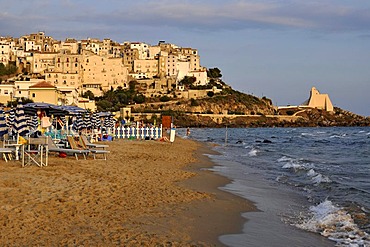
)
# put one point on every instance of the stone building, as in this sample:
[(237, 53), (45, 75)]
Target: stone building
[(319, 101)]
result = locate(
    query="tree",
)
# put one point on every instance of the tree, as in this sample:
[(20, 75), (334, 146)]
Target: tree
[(139, 99), (88, 94), (8, 69), (210, 93), (164, 98), (188, 80), (194, 102), (214, 73), (132, 85), (104, 105)]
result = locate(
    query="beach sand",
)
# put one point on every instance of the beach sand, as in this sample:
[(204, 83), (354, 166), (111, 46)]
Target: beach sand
[(147, 193)]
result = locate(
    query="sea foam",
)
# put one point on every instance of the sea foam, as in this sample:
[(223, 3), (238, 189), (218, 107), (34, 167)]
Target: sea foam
[(318, 178), (252, 152), (336, 224)]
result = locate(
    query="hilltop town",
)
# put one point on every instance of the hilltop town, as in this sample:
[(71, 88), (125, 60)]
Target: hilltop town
[(74, 67), (142, 81)]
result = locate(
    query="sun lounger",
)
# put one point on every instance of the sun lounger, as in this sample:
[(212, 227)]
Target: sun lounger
[(85, 141), (80, 145), (52, 147)]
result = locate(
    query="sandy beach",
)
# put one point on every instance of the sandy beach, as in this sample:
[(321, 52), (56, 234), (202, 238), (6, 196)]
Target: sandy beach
[(148, 193)]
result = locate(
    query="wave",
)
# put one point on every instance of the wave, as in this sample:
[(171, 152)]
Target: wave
[(317, 178), (295, 164), (334, 223), (338, 136), (253, 152)]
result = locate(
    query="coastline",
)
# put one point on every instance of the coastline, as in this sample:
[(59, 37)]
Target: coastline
[(146, 193), (222, 213)]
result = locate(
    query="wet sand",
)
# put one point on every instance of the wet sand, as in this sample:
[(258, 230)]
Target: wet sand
[(147, 193)]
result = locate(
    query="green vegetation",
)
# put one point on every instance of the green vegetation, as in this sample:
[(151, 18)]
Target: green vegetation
[(8, 69), (88, 94), (214, 73), (187, 81), (113, 100), (164, 98)]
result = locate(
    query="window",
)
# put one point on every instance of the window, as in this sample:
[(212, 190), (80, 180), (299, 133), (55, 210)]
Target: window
[(33, 95), (6, 92)]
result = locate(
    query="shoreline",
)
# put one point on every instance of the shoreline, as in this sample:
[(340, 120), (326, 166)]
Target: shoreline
[(147, 193), (224, 210)]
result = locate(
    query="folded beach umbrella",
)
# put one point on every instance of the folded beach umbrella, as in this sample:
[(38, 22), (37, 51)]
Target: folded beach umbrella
[(33, 122), (78, 124), (95, 121), (10, 118), (3, 127), (109, 121), (20, 121), (87, 121)]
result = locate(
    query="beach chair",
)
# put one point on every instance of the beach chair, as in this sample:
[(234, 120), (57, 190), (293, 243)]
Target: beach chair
[(52, 147), (85, 142), (35, 152), (6, 153), (80, 145)]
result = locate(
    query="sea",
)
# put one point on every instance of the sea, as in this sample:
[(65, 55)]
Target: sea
[(311, 186)]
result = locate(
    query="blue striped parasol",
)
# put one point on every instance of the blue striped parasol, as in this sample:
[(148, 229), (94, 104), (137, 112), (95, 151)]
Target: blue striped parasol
[(109, 121), (87, 121), (95, 121), (78, 124), (33, 122), (20, 121), (3, 127), (10, 118)]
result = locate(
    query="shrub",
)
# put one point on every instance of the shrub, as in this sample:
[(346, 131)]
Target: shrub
[(164, 98), (289, 112), (210, 94), (194, 102)]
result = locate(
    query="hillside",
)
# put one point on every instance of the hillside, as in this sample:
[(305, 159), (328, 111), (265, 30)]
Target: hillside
[(236, 109), (231, 101)]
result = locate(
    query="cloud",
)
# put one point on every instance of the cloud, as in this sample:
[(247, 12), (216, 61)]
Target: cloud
[(215, 15)]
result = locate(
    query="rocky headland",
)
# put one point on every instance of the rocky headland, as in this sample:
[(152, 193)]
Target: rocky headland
[(236, 109)]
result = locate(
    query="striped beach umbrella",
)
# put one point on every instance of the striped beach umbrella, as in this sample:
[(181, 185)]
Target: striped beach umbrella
[(3, 127), (108, 120), (20, 121), (87, 121), (95, 121), (33, 122), (10, 118), (78, 124)]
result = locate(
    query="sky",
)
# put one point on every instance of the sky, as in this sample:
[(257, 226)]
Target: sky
[(273, 48)]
